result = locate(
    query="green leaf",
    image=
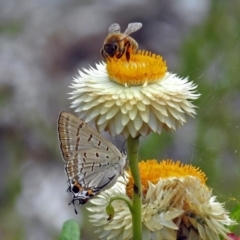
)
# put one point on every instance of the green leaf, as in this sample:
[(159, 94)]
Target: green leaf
[(70, 231), (235, 214)]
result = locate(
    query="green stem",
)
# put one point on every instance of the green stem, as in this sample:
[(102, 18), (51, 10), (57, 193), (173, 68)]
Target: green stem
[(123, 198), (110, 209), (133, 144)]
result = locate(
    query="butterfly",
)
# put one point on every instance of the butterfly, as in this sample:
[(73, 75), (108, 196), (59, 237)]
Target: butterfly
[(93, 163)]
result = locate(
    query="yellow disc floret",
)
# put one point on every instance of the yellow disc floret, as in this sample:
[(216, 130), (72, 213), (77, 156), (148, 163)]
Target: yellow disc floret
[(143, 68), (152, 171)]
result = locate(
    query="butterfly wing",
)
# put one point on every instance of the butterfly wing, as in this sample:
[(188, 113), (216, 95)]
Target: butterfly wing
[(92, 162)]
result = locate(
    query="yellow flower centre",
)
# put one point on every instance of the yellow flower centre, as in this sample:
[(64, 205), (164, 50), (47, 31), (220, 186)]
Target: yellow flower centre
[(152, 171), (143, 68)]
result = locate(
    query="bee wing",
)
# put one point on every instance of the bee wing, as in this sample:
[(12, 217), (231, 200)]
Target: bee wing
[(132, 27), (114, 28)]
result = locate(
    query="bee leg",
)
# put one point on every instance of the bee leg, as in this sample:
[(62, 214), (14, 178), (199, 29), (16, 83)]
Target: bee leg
[(119, 55), (128, 55), (104, 55), (127, 47), (121, 52)]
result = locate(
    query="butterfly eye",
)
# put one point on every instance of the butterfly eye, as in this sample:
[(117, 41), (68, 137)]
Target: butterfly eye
[(75, 189)]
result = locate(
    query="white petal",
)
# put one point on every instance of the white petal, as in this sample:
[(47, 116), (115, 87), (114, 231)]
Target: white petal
[(132, 113), (124, 119), (112, 112), (96, 97), (138, 123), (132, 129), (145, 114)]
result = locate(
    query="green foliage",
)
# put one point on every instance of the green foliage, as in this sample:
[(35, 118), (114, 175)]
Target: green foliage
[(12, 27), (70, 231), (210, 56), (235, 214), (211, 59), (153, 146)]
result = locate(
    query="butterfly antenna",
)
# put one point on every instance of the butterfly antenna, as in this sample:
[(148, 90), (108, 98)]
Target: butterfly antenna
[(125, 179), (73, 203), (123, 148)]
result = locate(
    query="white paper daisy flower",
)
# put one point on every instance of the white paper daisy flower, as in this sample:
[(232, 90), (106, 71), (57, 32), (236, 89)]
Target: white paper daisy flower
[(176, 204), (133, 98)]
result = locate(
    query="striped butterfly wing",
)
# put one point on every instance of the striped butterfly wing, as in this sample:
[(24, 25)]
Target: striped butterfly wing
[(92, 162)]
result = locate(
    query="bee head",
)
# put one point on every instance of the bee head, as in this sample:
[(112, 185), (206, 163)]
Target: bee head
[(111, 48)]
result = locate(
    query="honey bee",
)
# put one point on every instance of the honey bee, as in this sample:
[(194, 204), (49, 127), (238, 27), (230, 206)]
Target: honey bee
[(117, 43)]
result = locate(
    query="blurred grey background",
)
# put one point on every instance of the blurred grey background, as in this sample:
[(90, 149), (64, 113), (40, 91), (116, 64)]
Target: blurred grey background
[(42, 46)]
